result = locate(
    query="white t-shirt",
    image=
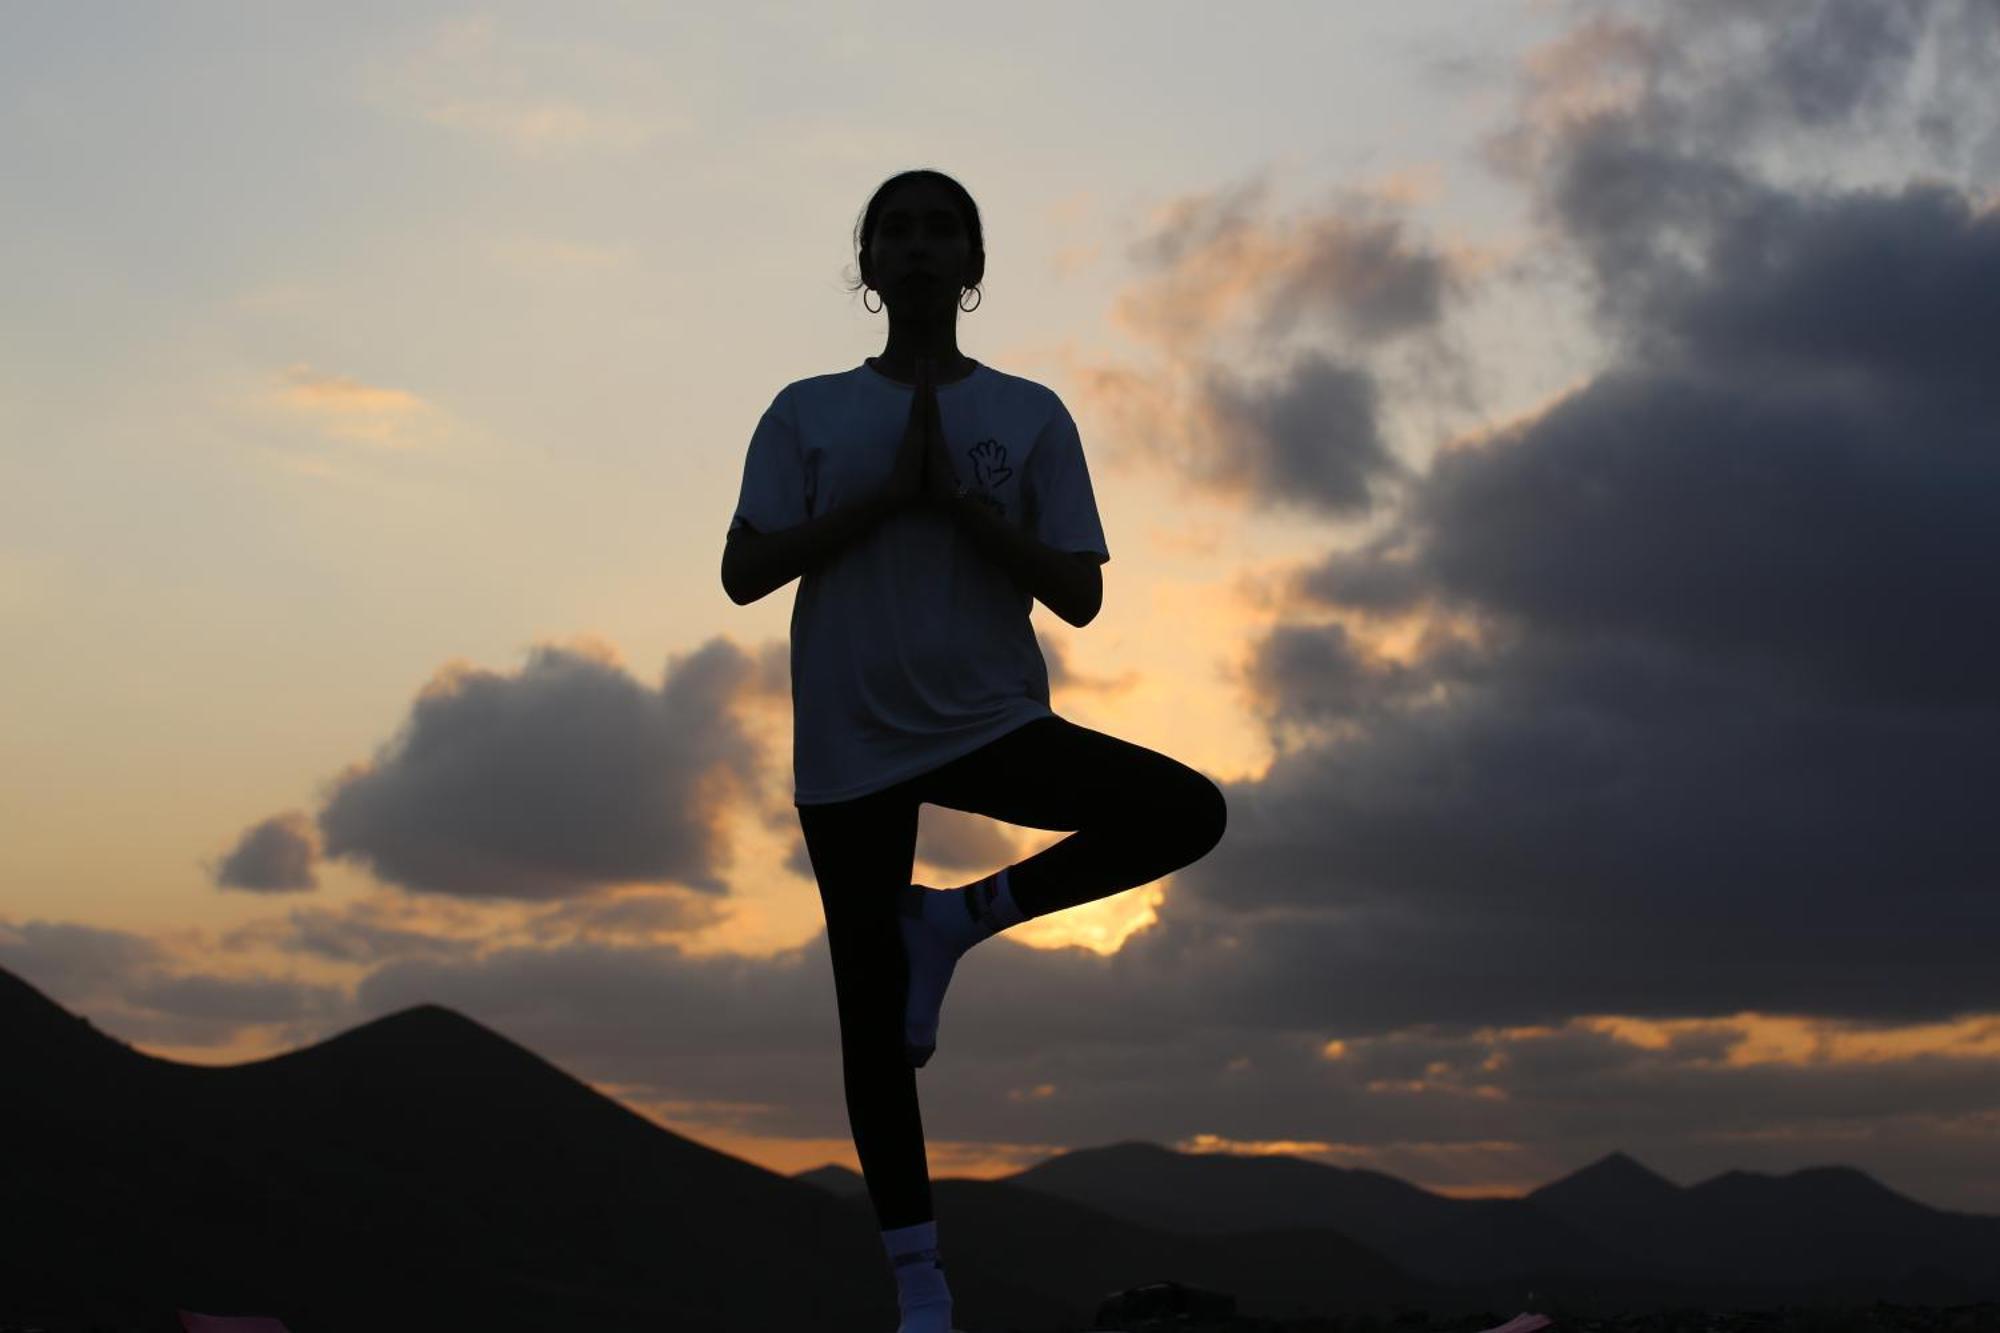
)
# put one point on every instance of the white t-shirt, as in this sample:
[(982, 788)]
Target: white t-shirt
[(912, 646)]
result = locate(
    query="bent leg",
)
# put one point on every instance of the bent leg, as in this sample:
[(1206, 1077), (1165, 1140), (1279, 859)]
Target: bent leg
[(1136, 814), (862, 852)]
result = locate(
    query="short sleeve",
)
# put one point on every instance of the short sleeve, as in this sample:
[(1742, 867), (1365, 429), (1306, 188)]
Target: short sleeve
[(1061, 506), (773, 494)]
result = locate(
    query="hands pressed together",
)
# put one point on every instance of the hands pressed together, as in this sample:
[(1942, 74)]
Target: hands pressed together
[(924, 474)]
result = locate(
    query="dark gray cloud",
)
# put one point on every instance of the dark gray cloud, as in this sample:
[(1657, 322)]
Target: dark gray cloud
[(273, 856), (1369, 275), (1314, 674), (560, 780), (1706, 718), (1813, 66), (1820, 542), (1878, 303), (1312, 440), (1221, 217), (1376, 575), (1655, 127), (1617, 828), (1355, 274), (1352, 265), (1735, 701)]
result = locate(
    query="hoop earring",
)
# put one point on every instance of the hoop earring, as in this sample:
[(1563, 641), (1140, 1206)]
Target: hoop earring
[(873, 310), (976, 299)]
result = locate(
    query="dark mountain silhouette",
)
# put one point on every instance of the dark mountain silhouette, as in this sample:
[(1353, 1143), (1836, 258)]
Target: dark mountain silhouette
[(423, 1171), (417, 1171), (835, 1179), (1613, 1232)]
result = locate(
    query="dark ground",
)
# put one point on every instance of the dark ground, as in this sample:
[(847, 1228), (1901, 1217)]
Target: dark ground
[(1881, 1317), (1878, 1318)]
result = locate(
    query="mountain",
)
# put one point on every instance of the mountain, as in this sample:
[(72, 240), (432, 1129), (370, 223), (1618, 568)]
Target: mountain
[(1614, 1233), (835, 1179), (422, 1171), (417, 1171)]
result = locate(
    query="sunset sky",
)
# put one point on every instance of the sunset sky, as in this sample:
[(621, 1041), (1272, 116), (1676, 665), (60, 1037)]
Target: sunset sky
[(1547, 453)]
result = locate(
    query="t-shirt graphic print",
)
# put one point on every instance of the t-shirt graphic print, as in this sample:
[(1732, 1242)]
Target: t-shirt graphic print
[(912, 646)]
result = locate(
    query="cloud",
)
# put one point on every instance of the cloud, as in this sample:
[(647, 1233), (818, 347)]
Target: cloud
[(1636, 137), (1352, 276), (627, 917), (273, 855), (561, 780), (147, 990), (1829, 541), (79, 962), (1321, 673), (1885, 295), (228, 1002), (1706, 648), (1311, 440), (366, 932), (1352, 267)]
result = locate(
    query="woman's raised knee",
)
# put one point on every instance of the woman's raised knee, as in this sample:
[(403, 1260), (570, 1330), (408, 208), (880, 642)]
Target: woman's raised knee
[(1200, 813)]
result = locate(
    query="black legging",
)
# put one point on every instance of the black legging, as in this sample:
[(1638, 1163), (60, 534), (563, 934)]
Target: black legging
[(1136, 815)]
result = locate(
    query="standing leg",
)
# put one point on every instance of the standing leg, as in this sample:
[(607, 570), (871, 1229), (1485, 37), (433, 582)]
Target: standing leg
[(862, 852)]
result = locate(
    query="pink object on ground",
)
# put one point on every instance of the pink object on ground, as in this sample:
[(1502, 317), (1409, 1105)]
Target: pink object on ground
[(1524, 1323), (216, 1323)]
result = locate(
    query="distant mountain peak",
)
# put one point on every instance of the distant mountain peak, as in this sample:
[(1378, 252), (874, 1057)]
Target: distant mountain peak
[(426, 1018), (1619, 1160), (835, 1179), (1615, 1178), (1138, 1148)]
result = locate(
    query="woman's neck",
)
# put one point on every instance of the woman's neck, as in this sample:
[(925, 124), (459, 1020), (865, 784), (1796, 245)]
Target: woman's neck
[(936, 340), (949, 366)]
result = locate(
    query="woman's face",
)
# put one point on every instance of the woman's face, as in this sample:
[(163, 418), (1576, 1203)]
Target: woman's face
[(919, 251)]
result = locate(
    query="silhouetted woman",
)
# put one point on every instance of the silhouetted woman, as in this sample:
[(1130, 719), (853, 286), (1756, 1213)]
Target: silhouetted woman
[(927, 500)]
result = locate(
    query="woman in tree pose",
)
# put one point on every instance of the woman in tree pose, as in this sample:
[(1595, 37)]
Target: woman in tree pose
[(924, 501)]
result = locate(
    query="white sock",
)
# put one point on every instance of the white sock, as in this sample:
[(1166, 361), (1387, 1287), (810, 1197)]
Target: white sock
[(939, 925), (921, 1292)]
